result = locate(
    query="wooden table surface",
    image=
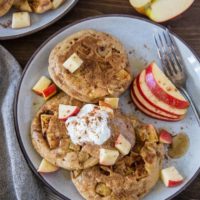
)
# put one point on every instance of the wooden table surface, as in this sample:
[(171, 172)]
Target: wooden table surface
[(186, 26)]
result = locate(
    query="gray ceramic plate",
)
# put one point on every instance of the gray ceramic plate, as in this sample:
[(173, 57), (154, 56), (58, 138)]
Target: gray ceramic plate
[(137, 36), (38, 21)]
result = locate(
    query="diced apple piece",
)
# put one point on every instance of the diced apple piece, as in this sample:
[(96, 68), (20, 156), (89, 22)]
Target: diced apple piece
[(140, 5), (57, 3), (66, 111), (162, 10), (171, 177), (45, 122), (163, 88), (123, 145), (114, 102), (107, 109), (165, 137), (46, 167), (41, 85), (103, 103), (108, 157), (49, 92), (20, 20), (73, 63)]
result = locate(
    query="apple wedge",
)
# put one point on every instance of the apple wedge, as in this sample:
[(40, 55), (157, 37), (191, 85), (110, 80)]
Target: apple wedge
[(140, 5), (164, 10), (66, 111), (148, 112), (148, 106), (153, 100), (46, 167), (163, 88), (171, 177), (108, 157)]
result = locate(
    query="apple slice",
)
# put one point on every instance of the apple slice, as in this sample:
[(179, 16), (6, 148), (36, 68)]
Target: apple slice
[(108, 157), (165, 137), (49, 92), (162, 10), (41, 85), (148, 112), (148, 106), (73, 63), (123, 145), (66, 111), (140, 5), (57, 3), (114, 102), (163, 88), (20, 20), (171, 177), (47, 167), (153, 100)]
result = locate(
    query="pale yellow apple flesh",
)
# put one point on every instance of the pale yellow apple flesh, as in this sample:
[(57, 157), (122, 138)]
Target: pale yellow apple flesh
[(140, 5), (163, 10), (46, 167)]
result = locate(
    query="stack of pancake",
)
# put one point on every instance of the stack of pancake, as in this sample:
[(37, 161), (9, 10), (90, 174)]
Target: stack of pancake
[(105, 72)]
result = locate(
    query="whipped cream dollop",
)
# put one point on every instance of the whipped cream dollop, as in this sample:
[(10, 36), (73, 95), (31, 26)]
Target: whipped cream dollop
[(90, 125)]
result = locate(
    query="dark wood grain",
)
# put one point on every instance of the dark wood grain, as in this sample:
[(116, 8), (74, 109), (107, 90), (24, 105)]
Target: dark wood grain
[(186, 26)]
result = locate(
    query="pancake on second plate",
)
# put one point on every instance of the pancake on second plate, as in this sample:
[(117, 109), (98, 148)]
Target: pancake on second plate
[(131, 177), (105, 68), (56, 146)]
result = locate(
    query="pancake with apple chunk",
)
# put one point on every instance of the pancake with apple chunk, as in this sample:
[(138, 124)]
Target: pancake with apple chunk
[(104, 71), (130, 178), (51, 141)]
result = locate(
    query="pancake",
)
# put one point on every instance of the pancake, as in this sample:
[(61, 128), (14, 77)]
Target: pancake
[(131, 178), (105, 68), (5, 6), (56, 146)]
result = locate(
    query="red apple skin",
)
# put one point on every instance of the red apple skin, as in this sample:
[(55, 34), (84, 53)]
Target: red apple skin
[(160, 93), (174, 183), (75, 112), (141, 92), (147, 112), (50, 91), (150, 110), (165, 137)]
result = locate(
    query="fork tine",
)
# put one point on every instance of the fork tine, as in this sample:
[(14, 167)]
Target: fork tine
[(174, 49), (161, 52)]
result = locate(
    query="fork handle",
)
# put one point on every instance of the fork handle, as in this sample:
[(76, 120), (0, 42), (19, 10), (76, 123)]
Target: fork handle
[(194, 108)]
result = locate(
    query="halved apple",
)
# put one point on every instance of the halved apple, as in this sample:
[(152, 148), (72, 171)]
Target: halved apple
[(47, 167), (148, 112), (163, 10), (140, 5), (153, 100), (41, 85), (171, 177), (147, 105), (66, 111), (163, 88)]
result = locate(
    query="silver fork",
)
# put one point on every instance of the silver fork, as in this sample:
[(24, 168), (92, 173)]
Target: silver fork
[(173, 64)]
